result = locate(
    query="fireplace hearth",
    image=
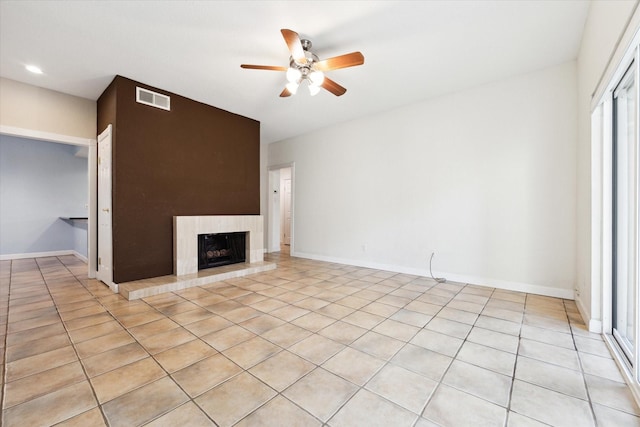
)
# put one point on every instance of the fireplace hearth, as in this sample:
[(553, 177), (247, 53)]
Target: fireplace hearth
[(219, 249)]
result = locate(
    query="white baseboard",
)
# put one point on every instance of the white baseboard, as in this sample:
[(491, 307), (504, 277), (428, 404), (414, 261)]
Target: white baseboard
[(452, 277), (594, 325), (36, 255), (80, 256), (9, 257)]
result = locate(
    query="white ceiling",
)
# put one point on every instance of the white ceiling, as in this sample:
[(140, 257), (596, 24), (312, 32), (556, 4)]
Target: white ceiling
[(413, 50)]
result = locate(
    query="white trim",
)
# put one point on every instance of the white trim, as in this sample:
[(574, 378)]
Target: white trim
[(606, 239), (46, 136), (272, 229), (80, 256), (619, 55), (596, 295), (594, 325), (472, 280), (624, 369), (92, 223), (8, 257), (268, 235)]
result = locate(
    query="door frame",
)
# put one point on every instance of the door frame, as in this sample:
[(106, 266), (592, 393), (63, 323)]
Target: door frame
[(274, 207), (283, 209), (602, 249), (92, 172)]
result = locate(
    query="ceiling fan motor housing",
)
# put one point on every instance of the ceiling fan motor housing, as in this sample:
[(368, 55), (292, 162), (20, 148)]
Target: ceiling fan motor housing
[(310, 57), (309, 67)]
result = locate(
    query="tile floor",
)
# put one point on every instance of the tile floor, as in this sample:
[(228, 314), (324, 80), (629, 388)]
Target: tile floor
[(307, 344)]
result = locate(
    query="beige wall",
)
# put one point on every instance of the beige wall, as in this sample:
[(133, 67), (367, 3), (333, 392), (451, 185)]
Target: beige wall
[(38, 109)]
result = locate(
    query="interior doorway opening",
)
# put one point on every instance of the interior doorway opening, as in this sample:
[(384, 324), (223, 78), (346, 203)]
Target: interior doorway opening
[(89, 150), (280, 227)]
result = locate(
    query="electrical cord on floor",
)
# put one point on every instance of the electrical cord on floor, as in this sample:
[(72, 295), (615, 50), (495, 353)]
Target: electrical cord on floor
[(437, 279)]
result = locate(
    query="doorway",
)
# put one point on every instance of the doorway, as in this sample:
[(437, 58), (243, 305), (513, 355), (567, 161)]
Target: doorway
[(82, 144), (285, 210), (281, 224)]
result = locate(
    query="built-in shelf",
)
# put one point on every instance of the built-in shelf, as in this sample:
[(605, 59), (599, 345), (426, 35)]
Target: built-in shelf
[(75, 220)]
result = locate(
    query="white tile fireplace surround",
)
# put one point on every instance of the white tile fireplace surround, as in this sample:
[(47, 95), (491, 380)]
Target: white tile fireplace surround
[(187, 228), (185, 255)]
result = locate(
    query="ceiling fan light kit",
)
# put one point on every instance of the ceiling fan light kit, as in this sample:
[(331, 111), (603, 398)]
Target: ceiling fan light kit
[(304, 65)]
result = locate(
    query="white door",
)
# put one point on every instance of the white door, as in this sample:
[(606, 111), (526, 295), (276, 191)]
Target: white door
[(105, 250), (286, 212)]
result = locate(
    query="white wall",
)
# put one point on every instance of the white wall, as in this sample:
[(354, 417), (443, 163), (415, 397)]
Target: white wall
[(485, 178), (40, 182), (605, 24)]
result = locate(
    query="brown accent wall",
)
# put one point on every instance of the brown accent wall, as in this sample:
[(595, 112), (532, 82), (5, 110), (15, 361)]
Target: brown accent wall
[(193, 160)]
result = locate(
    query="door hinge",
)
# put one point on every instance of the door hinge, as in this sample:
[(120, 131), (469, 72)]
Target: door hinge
[(99, 261), (98, 160)]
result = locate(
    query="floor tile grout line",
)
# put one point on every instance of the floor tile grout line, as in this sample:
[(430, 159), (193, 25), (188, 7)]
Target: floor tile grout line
[(453, 359), (388, 362), (100, 405), (171, 377), (515, 365), (44, 283), (316, 366), (3, 377), (434, 316), (73, 345), (583, 374)]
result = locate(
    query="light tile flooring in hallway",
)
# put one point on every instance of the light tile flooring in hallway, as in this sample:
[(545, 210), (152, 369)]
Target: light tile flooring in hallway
[(308, 344)]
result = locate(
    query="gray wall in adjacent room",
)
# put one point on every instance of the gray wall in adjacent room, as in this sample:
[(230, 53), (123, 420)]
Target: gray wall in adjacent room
[(39, 183)]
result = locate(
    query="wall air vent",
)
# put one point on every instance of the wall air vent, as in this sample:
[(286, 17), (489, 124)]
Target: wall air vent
[(147, 97)]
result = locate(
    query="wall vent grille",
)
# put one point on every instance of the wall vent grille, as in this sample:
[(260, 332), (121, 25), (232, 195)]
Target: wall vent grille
[(154, 99)]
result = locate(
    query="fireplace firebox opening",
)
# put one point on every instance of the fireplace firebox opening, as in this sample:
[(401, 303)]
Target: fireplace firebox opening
[(219, 249)]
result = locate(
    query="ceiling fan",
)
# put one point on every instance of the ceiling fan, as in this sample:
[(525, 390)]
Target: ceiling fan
[(305, 65)]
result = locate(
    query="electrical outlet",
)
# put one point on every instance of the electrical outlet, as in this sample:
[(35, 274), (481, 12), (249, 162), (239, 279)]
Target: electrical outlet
[(364, 248)]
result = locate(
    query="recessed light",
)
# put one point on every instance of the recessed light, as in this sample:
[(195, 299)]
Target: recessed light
[(34, 69)]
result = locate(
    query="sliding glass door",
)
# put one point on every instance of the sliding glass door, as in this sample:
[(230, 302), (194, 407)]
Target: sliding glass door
[(625, 214)]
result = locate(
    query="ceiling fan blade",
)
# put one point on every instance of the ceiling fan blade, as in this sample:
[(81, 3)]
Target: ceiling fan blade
[(343, 61), (332, 87), (285, 92), (263, 67), (295, 46)]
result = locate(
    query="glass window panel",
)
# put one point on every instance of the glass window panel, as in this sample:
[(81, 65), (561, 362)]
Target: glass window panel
[(624, 214)]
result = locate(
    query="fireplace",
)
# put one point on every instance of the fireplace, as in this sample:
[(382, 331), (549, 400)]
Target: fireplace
[(186, 230), (219, 249)]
